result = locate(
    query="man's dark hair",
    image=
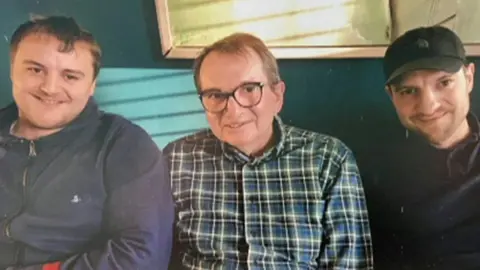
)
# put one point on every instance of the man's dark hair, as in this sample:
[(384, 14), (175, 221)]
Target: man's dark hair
[(65, 29)]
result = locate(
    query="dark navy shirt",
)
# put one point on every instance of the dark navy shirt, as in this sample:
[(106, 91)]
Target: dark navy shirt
[(424, 204)]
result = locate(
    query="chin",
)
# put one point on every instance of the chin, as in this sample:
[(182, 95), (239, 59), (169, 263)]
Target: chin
[(435, 138), (48, 124)]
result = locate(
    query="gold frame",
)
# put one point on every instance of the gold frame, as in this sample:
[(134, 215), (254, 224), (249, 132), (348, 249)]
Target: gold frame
[(305, 52)]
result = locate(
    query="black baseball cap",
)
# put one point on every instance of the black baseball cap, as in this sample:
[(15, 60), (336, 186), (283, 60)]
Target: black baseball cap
[(434, 47)]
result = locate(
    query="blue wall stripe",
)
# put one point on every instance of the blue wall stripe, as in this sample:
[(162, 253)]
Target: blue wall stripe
[(163, 102)]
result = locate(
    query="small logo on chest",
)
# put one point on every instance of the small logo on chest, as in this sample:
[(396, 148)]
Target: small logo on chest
[(76, 199)]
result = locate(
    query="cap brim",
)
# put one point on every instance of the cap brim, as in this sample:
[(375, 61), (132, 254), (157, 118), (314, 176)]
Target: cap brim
[(447, 64)]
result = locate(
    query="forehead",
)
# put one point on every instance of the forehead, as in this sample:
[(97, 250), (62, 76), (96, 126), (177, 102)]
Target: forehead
[(228, 70), (46, 50)]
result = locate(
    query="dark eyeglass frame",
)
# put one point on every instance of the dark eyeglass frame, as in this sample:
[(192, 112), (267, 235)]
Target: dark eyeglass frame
[(227, 95)]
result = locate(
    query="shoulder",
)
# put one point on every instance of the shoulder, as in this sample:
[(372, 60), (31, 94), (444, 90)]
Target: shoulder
[(121, 133), (199, 141), (319, 144)]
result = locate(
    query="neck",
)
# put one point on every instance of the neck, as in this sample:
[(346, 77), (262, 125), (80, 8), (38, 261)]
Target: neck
[(457, 137), (24, 129)]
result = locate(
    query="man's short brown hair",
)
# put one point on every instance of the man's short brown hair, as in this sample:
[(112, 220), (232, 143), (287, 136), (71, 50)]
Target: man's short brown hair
[(65, 29), (240, 43)]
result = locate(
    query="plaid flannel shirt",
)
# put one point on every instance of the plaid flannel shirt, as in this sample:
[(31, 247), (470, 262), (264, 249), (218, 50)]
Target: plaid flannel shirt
[(299, 206)]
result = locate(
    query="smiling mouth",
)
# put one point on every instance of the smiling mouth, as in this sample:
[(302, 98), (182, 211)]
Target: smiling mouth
[(48, 101), (431, 118), (236, 125)]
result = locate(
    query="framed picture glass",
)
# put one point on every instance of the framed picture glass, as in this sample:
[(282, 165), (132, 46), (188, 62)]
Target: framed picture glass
[(311, 28)]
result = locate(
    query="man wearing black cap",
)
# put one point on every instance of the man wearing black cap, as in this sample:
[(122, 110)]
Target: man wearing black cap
[(424, 202)]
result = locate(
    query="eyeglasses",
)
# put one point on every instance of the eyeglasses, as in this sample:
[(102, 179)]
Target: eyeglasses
[(246, 95)]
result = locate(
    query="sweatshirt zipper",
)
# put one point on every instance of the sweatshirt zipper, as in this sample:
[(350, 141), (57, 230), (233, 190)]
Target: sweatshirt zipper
[(32, 152)]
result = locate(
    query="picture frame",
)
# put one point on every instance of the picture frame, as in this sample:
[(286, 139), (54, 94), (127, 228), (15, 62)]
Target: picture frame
[(304, 29)]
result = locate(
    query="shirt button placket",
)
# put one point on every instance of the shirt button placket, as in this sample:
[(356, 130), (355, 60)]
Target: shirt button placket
[(250, 207)]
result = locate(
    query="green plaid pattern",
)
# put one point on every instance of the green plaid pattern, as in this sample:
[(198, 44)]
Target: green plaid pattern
[(299, 206)]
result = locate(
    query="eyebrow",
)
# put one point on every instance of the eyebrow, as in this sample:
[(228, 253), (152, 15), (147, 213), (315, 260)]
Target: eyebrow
[(214, 89), (446, 76), (399, 88), (31, 62), (211, 90), (77, 72), (68, 70)]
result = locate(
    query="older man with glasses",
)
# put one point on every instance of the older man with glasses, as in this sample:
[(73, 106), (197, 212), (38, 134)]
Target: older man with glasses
[(254, 193)]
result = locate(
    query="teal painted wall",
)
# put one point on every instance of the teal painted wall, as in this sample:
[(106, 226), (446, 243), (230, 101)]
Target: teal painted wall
[(163, 101), (341, 97)]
